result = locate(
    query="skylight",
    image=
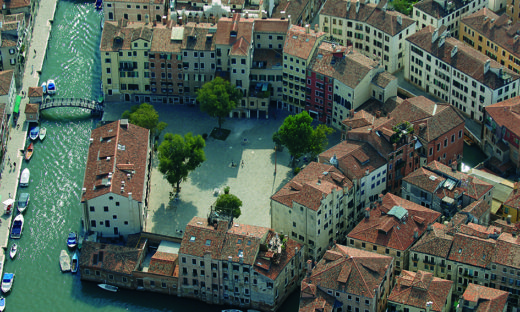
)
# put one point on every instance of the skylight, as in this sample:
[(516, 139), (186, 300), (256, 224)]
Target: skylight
[(192, 239), (208, 242)]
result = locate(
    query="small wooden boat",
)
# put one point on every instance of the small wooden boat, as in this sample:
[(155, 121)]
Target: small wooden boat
[(2, 304), (108, 287), (64, 261), (23, 202), (12, 252), (17, 228), (72, 240), (24, 177), (29, 151), (7, 282), (75, 263), (34, 133), (43, 133)]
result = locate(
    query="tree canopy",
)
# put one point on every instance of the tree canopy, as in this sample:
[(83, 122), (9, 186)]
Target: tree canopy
[(298, 135), (218, 98), (145, 116), (228, 204), (178, 156)]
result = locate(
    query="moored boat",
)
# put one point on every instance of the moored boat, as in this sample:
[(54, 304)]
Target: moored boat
[(72, 240), (23, 201), (64, 261), (7, 282), (24, 177), (17, 228), (108, 287), (44, 86), (51, 86), (12, 252), (231, 310), (75, 263), (33, 134), (43, 133), (29, 151), (2, 304)]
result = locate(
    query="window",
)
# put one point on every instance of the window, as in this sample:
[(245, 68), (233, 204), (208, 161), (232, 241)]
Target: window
[(105, 208), (92, 208)]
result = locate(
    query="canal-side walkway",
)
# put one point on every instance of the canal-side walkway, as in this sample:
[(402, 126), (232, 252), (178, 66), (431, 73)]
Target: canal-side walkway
[(17, 135)]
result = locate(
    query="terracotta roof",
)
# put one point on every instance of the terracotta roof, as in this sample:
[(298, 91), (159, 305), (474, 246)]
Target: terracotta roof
[(466, 59), (415, 289), (479, 231), (361, 118), (505, 226), (6, 76), (137, 1), (372, 14), (436, 242), (507, 251), (163, 263), (195, 37), (119, 35), (162, 42), (298, 43), (313, 299), (354, 158), (506, 113), (477, 208), (35, 91), (384, 228), (435, 9), (486, 299), (310, 185), (343, 64), (352, 271), (271, 25), (113, 258), (294, 8), (9, 40), (14, 4), (425, 179), (236, 31), (114, 144), (31, 108), (382, 79), (472, 250)]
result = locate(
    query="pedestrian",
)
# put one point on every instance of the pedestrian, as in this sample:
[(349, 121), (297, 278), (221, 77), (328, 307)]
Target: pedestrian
[(14, 165), (242, 164), (9, 195), (35, 52), (8, 159), (17, 126)]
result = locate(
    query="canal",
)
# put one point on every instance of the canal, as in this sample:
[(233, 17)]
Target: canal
[(57, 170)]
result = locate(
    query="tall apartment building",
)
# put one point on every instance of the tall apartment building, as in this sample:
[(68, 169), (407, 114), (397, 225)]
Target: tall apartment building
[(370, 28), (136, 10), (477, 298), (446, 13), (513, 10), (494, 36), (457, 74), (222, 262), (315, 208)]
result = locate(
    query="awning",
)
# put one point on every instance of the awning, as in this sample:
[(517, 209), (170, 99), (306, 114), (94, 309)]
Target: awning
[(8, 202), (16, 109)]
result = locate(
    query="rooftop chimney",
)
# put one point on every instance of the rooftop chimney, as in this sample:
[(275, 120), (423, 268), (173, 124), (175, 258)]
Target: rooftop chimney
[(454, 51), (367, 212), (415, 234), (487, 64), (357, 7), (307, 29), (435, 35), (348, 6), (508, 219), (309, 268)]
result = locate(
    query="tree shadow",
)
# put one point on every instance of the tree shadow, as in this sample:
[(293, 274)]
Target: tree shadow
[(172, 218)]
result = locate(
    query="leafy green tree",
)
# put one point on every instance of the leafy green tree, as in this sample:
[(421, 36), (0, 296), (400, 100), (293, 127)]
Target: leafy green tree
[(145, 116), (403, 6), (218, 98), (229, 204), (319, 140), (178, 156)]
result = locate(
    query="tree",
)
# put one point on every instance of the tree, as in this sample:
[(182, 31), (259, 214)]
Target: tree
[(145, 116), (298, 135), (218, 98), (228, 204), (403, 6), (178, 156)]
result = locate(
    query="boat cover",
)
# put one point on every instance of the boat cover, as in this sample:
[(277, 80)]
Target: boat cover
[(8, 277)]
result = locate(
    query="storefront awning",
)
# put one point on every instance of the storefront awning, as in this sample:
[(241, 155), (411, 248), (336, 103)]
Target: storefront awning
[(16, 109)]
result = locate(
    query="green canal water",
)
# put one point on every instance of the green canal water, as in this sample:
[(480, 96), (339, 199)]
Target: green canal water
[(57, 169)]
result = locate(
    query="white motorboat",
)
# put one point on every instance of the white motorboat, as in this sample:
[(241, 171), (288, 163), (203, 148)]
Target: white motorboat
[(2, 304), (44, 86), (111, 288), (43, 133), (24, 178), (64, 261), (12, 252), (17, 228), (23, 201), (7, 282), (51, 86), (33, 134)]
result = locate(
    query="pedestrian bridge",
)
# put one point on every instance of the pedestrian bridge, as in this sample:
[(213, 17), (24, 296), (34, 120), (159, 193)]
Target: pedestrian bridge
[(95, 107)]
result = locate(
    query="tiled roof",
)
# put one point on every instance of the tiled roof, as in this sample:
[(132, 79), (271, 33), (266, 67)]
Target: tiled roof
[(310, 185), (505, 226), (352, 271), (114, 144), (294, 8), (506, 113), (480, 231), (195, 37), (466, 59), (163, 263), (241, 28), (113, 258), (382, 79), (119, 35), (387, 230), (486, 299), (137, 1), (343, 64), (514, 198), (6, 76), (372, 14), (495, 28), (161, 41), (35, 91), (361, 118), (433, 8), (425, 179), (477, 208), (14, 4), (472, 250), (354, 158), (298, 43), (507, 251), (271, 25), (9, 40), (415, 289), (436, 242), (313, 299), (31, 108)]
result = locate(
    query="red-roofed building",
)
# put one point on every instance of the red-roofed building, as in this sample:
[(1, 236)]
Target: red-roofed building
[(353, 279), (114, 194), (135, 10), (391, 226), (248, 266), (315, 208), (479, 298)]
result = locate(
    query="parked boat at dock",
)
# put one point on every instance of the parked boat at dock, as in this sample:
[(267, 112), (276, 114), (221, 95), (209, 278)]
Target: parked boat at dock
[(33, 134), (75, 263), (108, 287), (12, 252), (7, 282), (2, 304), (17, 228), (64, 261), (23, 201), (29, 151), (72, 240), (51, 86), (24, 177), (44, 86), (43, 133)]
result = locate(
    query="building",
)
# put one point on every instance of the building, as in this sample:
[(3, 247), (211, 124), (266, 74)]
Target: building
[(439, 13), (492, 35), (509, 210), (339, 80), (299, 47), (482, 298), (116, 180), (370, 28), (35, 94), (391, 226), (8, 91), (501, 134), (251, 266), (505, 268), (512, 10), (300, 12), (15, 7), (135, 10), (13, 36), (352, 279), (316, 208), (445, 189), (362, 165), (32, 112), (502, 188), (457, 74), (420, 290)]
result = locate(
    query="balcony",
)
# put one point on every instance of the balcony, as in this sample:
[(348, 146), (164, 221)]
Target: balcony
[(260, 90)]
